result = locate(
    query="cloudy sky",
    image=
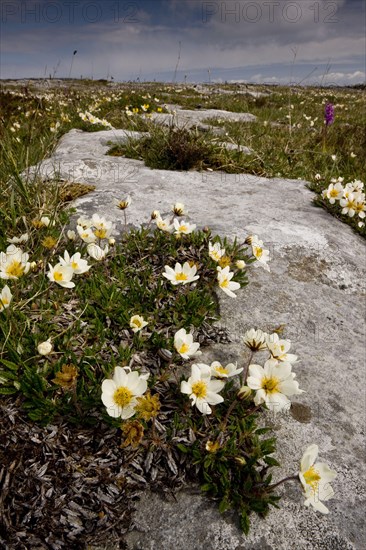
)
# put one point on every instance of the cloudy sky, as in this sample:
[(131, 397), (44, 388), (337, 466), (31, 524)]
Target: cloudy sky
[(307, 41)]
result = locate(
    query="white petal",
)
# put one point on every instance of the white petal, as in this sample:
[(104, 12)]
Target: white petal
[(120, 376), (203, 406), (309, 457), (185, 387)]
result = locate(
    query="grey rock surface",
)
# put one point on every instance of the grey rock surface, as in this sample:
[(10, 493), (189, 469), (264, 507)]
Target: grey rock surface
[(316, 290), (185, 118)]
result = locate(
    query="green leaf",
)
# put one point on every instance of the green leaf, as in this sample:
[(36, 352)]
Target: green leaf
[(224, 505), (182, 448), (244, 522), (9, 364), (271, 461), (7, 390)]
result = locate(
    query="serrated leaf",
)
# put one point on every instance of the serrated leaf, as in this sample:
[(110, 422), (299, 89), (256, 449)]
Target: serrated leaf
[(9, 364), (244, 522), (224, 505), (262, 431), (7, 391), (7, 376)]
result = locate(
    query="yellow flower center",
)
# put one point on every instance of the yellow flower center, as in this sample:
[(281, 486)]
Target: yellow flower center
[(100, 233), (224, 283), (184, 348), (74, 265), (181, 276), (333, 193), (123, 396), (199, 389), (183, 228), (258, 251), (15, 269), (137, 323), (221, 370), (58, 276), (4, 301), (312, 477), (270, 385)]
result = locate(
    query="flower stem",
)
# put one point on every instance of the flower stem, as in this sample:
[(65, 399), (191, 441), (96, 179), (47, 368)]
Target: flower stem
[(289, 478), (229, 411), (245, 376)]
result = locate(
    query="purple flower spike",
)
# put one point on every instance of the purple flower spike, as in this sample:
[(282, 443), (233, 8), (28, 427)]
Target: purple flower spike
[(329, 114)]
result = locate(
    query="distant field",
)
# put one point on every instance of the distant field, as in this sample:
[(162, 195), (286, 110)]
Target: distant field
[(289, 138)]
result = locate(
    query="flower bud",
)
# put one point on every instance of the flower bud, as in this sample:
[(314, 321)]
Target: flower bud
[(212, 446), (240, 264), (244, 393), (44, 348), (178, 209), (155, 215)]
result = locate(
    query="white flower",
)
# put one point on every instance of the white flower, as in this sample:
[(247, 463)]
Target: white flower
[(124, 203), (184, 344), (224, 277), (103, 227), (357, 185), (334, 157), (255, 340), (183, 228), (13, 263), (84, 222), (17, 240), (119, 394), (44, 348), (164, 225), (5, 298), (201, 389), (349, 205), (181, 275), (315, 478), (260, 254), (334, 192), (279, 348), (77, 264), (353, 155), (86, 234), (273, 384), (96, 252), (218, 371), (240, 264), (317, 177), (61, 275), (137, 323), (215, 251)]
